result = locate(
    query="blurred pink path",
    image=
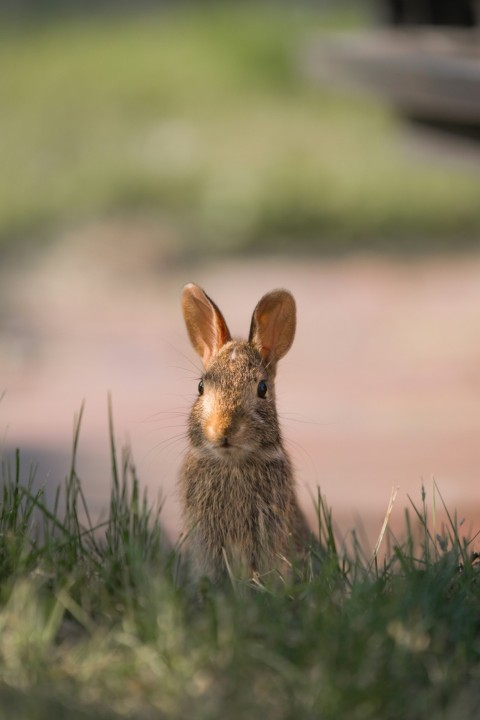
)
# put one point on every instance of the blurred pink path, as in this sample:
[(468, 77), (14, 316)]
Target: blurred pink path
[(381, 387)]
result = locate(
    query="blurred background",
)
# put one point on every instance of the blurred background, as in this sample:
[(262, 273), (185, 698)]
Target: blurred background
[(328, 147)]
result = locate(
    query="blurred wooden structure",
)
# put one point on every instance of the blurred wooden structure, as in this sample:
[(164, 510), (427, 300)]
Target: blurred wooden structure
[(449, 13), (423, 57), (425, 72)]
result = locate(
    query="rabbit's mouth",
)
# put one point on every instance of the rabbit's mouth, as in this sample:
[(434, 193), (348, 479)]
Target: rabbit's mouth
[(228, 449), (226, 446)]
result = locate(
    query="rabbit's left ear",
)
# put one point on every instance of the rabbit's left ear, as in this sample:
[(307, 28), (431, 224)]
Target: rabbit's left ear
[(273, 325)]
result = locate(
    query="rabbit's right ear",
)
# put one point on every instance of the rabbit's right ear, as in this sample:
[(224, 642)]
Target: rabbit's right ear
[(205, 323)]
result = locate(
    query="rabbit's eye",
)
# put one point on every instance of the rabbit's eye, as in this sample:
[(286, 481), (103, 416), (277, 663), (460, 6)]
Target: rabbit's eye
[(200, 387), (262, 389)]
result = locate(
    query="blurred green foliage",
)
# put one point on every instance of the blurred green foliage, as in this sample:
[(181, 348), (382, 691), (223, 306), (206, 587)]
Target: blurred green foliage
[(203, 117)]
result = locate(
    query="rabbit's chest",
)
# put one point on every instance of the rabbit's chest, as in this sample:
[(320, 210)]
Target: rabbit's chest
[(235, 506)]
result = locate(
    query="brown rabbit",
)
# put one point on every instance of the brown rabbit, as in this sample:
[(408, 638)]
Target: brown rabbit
[(236, 482)]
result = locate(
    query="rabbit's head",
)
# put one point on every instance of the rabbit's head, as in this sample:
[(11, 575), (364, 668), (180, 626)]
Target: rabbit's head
[(234, 414)]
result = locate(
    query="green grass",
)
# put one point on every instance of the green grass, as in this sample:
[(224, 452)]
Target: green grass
[(103, 622), (202, 118)]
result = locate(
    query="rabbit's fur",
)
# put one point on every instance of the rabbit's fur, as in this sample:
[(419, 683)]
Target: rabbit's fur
[(237, 489)]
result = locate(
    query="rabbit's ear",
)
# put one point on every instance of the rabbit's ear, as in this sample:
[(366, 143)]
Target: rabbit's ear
[(273, 325), (205, 323)]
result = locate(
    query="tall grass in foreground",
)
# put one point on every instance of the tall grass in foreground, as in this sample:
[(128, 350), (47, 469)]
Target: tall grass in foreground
[(97, 621)]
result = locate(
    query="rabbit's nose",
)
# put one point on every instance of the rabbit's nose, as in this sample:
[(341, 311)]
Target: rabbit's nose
[(222, 439), (218, 429)]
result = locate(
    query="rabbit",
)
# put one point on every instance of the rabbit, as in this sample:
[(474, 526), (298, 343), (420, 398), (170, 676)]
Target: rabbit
[(237, 490)]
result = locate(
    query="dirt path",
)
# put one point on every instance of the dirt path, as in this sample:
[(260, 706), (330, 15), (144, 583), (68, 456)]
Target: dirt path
[(381, 388)]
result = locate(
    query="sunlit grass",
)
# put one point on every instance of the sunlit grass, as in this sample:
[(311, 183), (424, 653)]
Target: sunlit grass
[(101, 621), (204, 117)]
